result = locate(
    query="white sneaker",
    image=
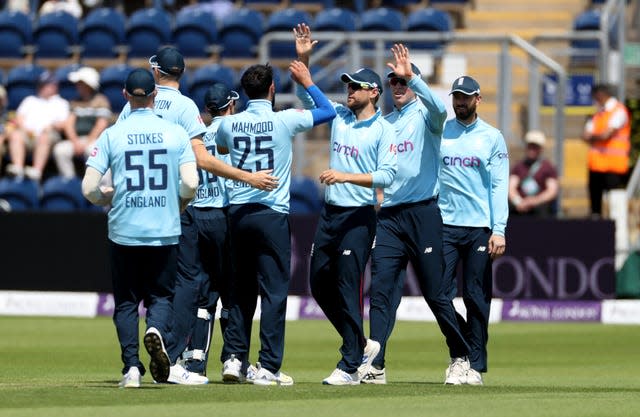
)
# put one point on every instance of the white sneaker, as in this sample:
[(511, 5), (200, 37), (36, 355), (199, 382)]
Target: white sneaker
[(456, 373), (131, 379), (371, 350), (266, 377), (251, 373), (340, 377), (179, 375), (160, 364), (32, 173), (474, 377), (375, 376), (15, 171), (232, 371)]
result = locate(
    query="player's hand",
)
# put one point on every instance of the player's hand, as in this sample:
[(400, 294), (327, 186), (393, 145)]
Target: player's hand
[(300, 74), (402, 66), (263, 180), (304, 44), (497, 245), (331, 176)]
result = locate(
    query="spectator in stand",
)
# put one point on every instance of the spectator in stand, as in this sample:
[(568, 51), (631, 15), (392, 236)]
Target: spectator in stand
[(533, 183), (38, 123), (72, 7), (89, 116), (219, 9), (3, 121)]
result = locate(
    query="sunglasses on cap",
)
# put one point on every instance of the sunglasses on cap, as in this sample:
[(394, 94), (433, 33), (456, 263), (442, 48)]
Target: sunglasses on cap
[(360, 86), (396, 81)]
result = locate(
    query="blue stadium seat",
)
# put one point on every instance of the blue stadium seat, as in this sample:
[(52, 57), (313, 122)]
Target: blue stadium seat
[(206, 75), (55, 35), (102, 32), (21, 195), (305, 196), (381, 19), (66, 88), (240, 33), (429, 20), (15, 32), (334, 20), (284, 21), (112, 82), (147, 31), (21, 82), (62, 194), (194, 33)]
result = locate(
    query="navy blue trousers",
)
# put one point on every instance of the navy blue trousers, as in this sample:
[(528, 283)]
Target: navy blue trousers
[(410, 232), (141, 273), (202, 278), (340, 252), (469, 245), (261, 252)]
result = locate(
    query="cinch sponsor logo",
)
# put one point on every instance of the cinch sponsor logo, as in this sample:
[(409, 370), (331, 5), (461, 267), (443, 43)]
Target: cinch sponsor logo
[(466, 161), (351, 151), (405, 146), (503, 155)]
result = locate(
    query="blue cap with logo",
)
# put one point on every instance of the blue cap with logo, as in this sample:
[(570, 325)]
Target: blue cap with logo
[(168, 60), (363, 76), (140, 83), (219, 96), (465, 85), (414, 68)]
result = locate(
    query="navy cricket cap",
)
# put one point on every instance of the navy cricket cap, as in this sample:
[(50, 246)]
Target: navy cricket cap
[(415, 70), (168, 60), (140, 83), (47, 77), (363, 76), (218, 96), (465, 85)]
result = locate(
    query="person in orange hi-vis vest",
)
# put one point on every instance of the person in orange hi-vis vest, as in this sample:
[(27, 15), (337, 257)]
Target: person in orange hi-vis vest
[(608, 133)]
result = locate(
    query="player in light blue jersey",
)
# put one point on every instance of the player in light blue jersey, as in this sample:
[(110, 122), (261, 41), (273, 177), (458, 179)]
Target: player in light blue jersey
[(257, 139), (409, 224), (154, 177), (363, 158), (474, 181)]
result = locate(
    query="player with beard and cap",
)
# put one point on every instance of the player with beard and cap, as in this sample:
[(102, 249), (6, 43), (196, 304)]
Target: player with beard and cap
[(409, 224), (362, 159), (154, 177), (474, 180)]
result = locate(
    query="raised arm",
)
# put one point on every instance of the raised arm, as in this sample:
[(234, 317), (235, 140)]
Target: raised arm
[(323, 111)]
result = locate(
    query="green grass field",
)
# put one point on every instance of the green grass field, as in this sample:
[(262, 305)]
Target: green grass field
[(70, 367)]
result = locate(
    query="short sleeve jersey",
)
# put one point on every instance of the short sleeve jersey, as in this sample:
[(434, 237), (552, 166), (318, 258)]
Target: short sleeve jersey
[(211, 190)]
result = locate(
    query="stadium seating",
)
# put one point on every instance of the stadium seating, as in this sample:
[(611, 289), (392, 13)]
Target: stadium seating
[(381, 19), (21, 82), (312, 6), (66, 88), (284, 21), (147, 31), (334, 20), (62, 194), (20, 194), (111, 84), (102, 33), (55, 35), (240, 33), (428, 20), (305, 196), (194, 33), (204, 76), (15, 32)]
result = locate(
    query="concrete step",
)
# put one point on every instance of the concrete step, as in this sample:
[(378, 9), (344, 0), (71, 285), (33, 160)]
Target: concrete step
[(531, 6), (506, 20)]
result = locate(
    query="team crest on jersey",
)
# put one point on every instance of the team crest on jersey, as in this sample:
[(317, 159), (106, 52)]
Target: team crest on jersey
[(94, 151)]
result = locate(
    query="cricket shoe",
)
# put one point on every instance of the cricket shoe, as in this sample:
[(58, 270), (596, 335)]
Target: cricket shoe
[(456, 373), (251, 374), (160, 364), (340, 377), (375, 376), (474, 377), (178, 374), (131, 379), (266, 377), (232, 371), (371, 350)]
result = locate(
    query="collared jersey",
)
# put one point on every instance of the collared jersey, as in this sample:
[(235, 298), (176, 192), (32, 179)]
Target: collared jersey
[(211, 191), (171, 105), (418, 127), (258, 139), (474, 176), (144, 153)]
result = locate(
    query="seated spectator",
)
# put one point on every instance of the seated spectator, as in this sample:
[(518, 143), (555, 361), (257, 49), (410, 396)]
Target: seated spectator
[(72, 7), (90, 115), (3, 121), (219, 9), (533, 183), (39, 120)]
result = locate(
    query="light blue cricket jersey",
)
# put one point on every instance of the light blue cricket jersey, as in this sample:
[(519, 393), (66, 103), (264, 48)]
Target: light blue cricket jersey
[(144, 153), (211, 190), (258, 139), (474, 176), (418, 126), (360, 147), (171, 105)]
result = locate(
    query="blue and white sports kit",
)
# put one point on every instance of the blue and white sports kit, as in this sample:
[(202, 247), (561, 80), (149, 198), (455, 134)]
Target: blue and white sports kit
[(409, 226), (474, 177), (144, 154), (258, 139)]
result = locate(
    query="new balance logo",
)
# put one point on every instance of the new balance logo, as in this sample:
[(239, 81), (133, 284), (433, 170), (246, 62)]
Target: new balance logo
[(346, 252), (482, 248), (428, 249)]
